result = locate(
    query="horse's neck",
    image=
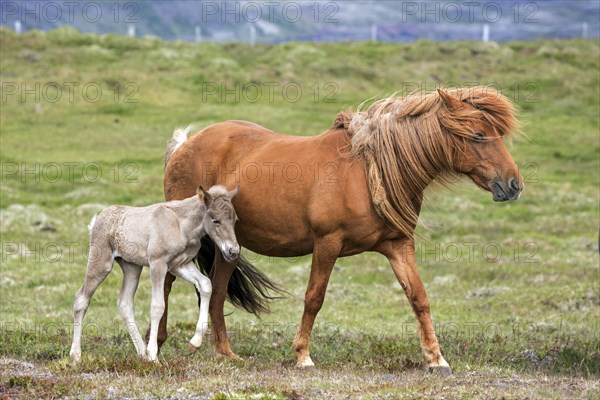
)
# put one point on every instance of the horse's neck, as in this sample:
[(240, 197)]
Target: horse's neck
[(337, 137)]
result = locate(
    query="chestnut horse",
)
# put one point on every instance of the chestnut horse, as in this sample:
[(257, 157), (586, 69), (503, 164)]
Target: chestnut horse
[(357, 187)]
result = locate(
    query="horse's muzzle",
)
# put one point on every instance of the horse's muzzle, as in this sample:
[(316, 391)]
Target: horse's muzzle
[(510, 190)]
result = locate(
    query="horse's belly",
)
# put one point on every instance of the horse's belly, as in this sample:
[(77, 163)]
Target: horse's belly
[(277, 240)]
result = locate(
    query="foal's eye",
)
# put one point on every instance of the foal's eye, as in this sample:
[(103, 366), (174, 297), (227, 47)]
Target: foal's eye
[(480, 137), (216, 221)]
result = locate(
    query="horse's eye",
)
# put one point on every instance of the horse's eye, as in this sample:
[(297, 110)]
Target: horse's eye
[(215, 221), (480, 137)]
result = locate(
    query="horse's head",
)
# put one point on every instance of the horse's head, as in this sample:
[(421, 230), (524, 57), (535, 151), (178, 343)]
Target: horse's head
[(477, 119), (219, 219)]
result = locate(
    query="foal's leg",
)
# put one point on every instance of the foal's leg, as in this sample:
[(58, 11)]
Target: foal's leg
[(98, 267), (401, 255), (158, 271), (190, 273), (131, 278), (220, 274), (162, 326), (324, 256)]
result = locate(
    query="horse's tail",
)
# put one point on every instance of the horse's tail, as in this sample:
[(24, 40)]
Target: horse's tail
[(180, 135), (248, 288)]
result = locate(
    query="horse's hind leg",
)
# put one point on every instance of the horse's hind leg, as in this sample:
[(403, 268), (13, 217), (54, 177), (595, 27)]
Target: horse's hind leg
[(131, 278), (100, 263), (190, 273)]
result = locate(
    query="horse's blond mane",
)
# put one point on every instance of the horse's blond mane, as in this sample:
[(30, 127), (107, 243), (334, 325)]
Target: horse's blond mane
[(406, 145)]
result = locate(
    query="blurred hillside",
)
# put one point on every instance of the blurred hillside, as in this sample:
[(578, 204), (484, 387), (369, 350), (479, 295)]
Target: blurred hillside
[(322, 20), (86, 90)]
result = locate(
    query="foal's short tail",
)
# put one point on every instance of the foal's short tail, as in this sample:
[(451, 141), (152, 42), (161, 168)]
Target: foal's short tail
[(248, 288), (91, 224)]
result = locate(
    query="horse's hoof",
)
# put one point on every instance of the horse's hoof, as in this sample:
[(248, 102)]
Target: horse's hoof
[(303, 367), (230, 356), (441, 371), (307, 363)]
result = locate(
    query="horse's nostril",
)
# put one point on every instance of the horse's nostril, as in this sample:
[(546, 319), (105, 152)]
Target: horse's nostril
[(513, 184)]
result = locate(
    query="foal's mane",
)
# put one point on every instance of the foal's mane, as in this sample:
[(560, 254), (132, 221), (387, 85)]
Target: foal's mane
[(407, 142)]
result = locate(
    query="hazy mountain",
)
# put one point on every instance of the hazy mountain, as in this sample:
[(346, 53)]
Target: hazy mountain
[(276, 21)]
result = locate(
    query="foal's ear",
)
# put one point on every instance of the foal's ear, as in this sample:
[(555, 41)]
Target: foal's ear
[(450, 101), (204, 196), (233, 192)]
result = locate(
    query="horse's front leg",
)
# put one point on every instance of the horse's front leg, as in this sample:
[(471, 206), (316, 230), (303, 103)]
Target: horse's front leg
[(401, 255), (158, 271), (219, 275), (324, 255)]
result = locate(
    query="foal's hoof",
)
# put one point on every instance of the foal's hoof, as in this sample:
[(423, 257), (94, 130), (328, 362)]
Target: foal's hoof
[(192, 348), (152, 359), (441, 371)]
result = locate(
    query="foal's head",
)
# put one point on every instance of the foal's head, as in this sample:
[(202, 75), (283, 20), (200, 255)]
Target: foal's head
[(219, 220), (477, 119)]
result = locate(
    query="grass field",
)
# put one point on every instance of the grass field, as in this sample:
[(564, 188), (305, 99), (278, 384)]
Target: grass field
[(514, 288)]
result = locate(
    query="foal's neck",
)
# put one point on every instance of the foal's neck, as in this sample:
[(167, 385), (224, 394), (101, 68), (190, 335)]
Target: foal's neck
[(191, 213)]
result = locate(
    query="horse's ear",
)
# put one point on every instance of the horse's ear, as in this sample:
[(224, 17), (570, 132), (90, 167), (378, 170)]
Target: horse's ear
[(233, 192), (450, 101), (204, 196)]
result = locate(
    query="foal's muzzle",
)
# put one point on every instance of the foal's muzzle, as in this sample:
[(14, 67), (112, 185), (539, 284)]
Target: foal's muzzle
[(230, 251), (510, 190)]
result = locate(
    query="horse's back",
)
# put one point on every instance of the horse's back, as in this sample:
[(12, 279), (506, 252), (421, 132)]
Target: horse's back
[(234, 130), (231, 142)]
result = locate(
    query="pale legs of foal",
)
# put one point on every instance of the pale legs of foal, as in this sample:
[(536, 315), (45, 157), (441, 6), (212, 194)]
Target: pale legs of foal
[(220, 274), (158, 271), (401, 255), (131, 278), (99, 266), (191, 274)]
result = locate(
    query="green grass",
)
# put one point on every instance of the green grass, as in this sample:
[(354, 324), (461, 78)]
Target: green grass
[(523, 324)]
